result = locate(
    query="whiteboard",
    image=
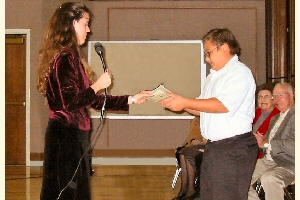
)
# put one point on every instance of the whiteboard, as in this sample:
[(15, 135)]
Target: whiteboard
[(143, 65)]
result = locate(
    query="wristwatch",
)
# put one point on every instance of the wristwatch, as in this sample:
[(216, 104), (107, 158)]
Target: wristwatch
[(266, 145), (133, 99)]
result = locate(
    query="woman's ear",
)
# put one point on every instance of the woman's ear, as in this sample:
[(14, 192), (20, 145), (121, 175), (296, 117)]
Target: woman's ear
[(75, 22)]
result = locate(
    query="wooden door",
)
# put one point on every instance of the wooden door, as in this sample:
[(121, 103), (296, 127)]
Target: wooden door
[(15, 99)]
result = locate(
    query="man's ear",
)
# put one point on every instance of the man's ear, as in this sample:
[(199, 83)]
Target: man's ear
[(225, 47)]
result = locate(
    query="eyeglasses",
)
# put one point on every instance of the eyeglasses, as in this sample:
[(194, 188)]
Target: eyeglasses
[(265, 96), (207, 53), (279, 96)]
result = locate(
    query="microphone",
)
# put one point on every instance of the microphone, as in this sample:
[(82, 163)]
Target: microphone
[(99, 48), (100, 51)]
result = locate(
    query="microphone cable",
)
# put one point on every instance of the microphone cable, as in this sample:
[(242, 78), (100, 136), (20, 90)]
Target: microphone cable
[(71, 183), (93, 141), (96, 136), (99, 49)]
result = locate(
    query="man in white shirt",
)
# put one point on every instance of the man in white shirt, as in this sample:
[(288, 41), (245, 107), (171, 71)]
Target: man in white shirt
[(226, 108), (276, 169)]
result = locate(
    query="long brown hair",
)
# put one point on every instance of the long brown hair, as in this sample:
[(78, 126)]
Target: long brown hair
[(59, 34)]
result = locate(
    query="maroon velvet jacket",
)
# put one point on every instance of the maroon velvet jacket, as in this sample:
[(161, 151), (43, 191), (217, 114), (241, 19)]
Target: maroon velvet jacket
[(69, 93)]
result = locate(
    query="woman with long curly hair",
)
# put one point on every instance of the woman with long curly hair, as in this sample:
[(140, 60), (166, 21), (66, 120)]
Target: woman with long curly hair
[(66, 80)]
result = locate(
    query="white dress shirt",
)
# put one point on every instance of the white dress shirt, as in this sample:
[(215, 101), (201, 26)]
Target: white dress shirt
[(235, 87)]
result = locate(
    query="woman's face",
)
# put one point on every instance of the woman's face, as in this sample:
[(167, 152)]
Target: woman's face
[(82, 28), (265, 100)]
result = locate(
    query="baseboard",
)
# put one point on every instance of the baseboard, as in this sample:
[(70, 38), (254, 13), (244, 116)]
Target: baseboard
[(122, 157), (132, 153), (124, 161)]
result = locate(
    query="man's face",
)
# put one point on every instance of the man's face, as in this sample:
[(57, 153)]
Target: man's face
[(211, 53), (217, 56), (283, 98)]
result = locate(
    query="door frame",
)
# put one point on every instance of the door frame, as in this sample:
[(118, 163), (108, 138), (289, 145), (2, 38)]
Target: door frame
[(27, 106)]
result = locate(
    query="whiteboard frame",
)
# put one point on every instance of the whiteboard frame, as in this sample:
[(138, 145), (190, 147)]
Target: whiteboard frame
[(203, 74)]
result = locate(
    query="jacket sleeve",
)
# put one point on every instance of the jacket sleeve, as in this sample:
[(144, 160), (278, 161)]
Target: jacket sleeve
[(113, 103)]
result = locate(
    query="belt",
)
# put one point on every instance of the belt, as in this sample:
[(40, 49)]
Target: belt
[(234, 137)]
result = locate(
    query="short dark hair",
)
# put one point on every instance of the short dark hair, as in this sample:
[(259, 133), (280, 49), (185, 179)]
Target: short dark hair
[(265, 86), (220, 36)]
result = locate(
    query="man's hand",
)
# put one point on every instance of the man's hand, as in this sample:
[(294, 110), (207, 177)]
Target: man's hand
[(175, 102), (261, 139)]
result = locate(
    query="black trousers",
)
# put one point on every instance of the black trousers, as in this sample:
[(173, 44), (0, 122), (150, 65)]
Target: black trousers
[(227, 168), (66, 163)]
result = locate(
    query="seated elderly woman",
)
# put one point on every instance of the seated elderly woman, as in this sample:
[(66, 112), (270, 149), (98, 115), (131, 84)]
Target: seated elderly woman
[(190, 157), (265, 110), (276, 170)]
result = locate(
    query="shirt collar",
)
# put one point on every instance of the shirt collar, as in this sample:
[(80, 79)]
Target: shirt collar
[(227, 66), (283, 114)]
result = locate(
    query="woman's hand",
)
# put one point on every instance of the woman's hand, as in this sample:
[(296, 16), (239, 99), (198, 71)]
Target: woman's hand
[(140, 97), (103, 81)]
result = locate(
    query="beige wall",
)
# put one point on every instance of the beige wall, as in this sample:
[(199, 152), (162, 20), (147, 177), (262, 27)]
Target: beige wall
[(143, 20)]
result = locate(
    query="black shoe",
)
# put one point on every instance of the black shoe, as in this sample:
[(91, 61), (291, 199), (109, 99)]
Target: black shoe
[(92, 172), (178, 197), (191, 197)]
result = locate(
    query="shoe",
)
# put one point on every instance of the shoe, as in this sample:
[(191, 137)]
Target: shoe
[(178, 197), (92, 172), (191, 197)]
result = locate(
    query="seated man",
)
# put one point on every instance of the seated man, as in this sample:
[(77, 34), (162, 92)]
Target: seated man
[(276, 169), (190, 157)]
